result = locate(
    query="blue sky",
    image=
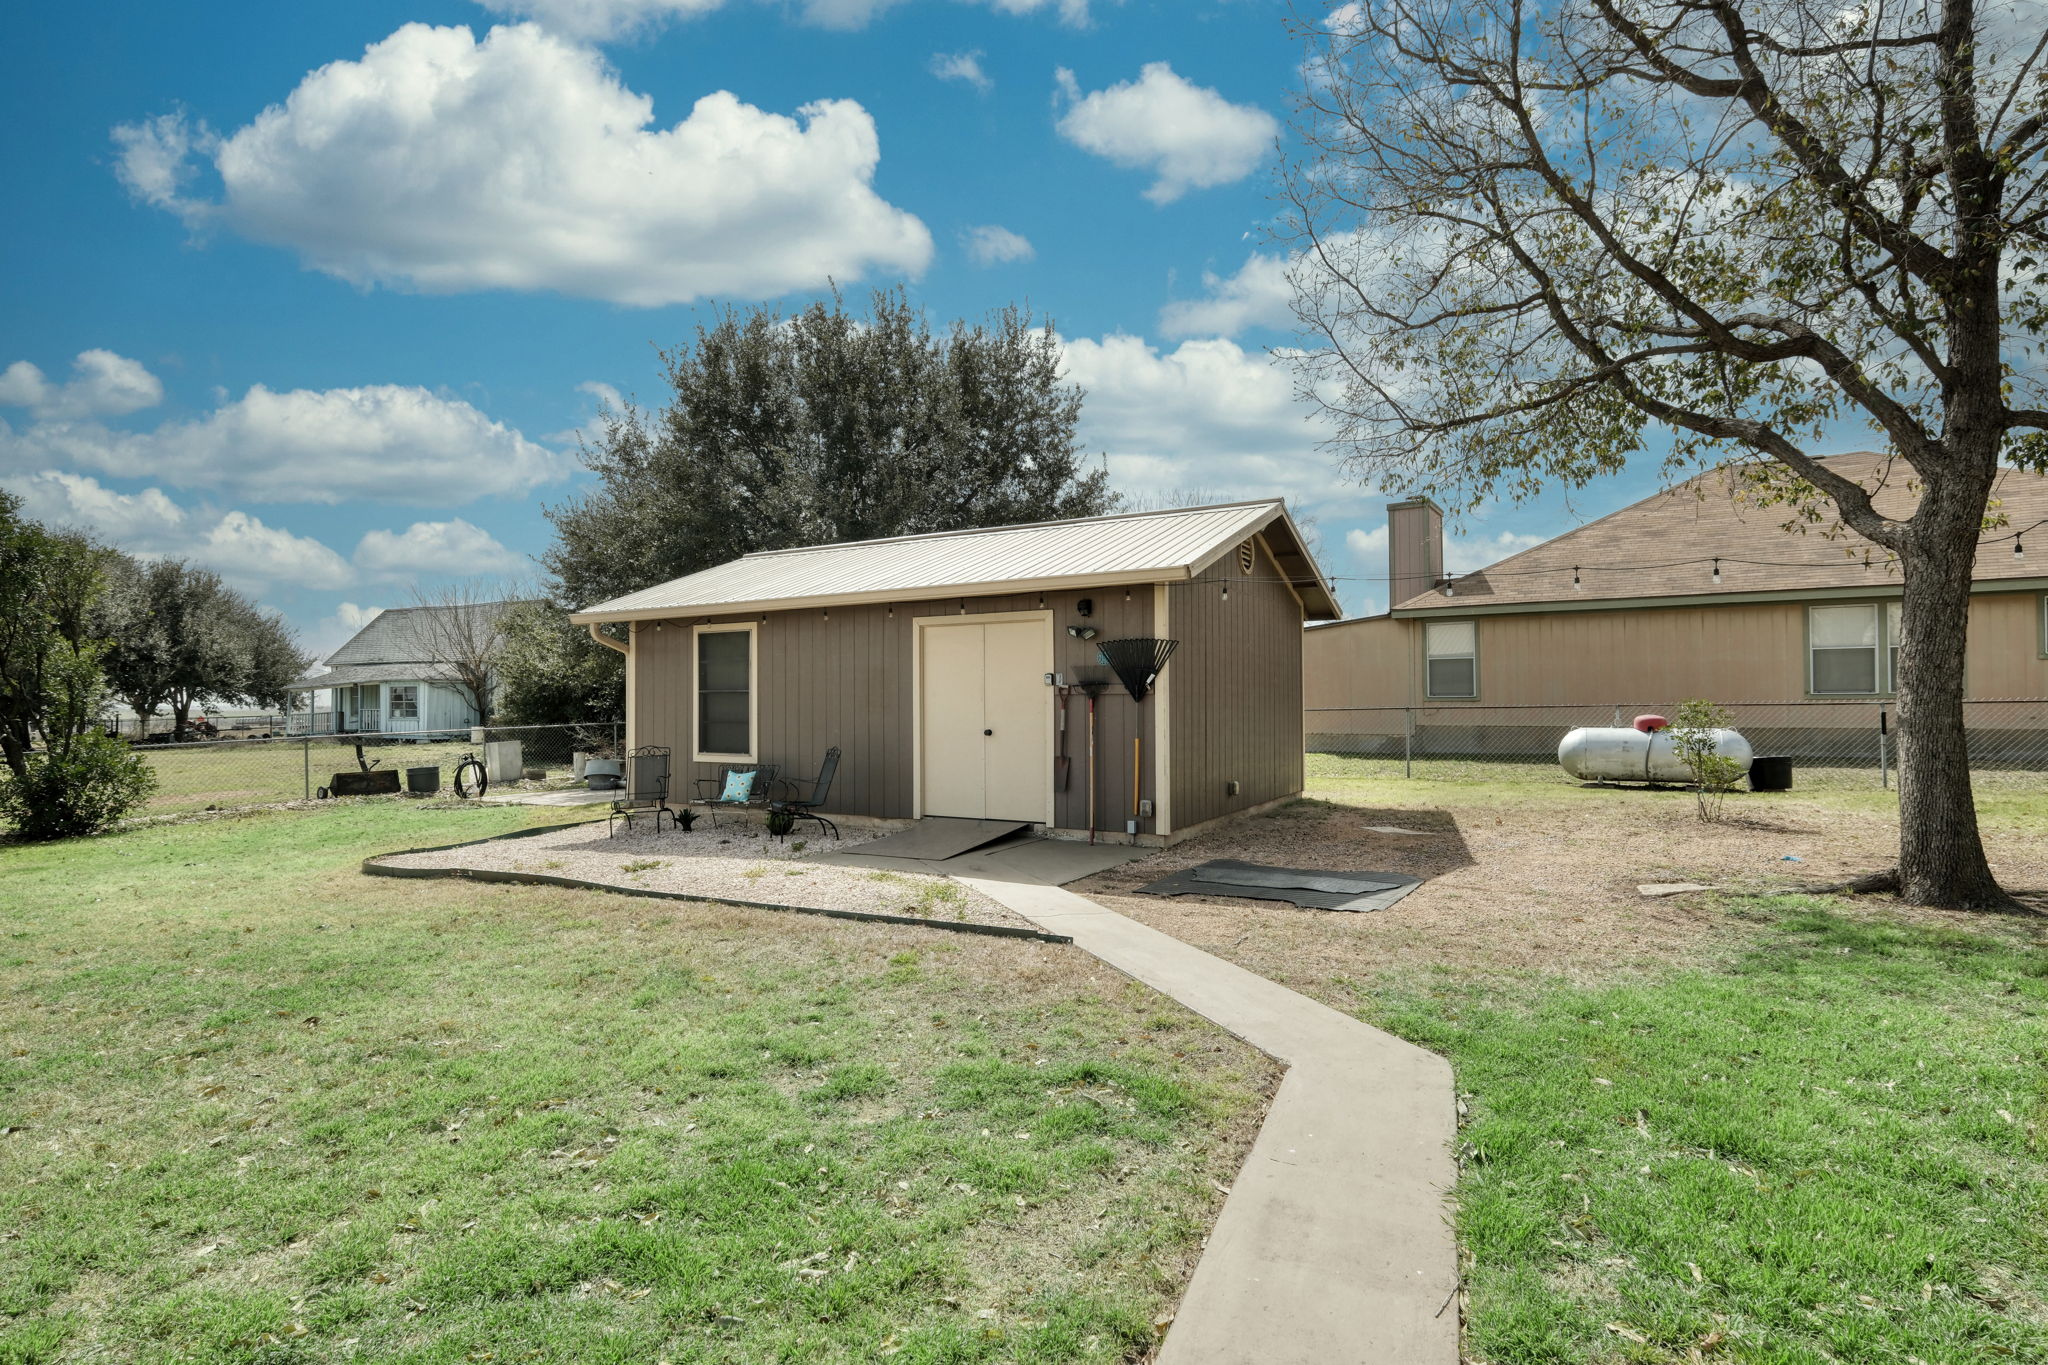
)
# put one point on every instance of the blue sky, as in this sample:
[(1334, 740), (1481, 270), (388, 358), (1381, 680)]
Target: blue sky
[(320, 300)]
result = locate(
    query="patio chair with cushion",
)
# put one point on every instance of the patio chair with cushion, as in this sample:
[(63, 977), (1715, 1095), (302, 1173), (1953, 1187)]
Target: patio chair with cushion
[(646, 789), (805, 798), (744, 787)]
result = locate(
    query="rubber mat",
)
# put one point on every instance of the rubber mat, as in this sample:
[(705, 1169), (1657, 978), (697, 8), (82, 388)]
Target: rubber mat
[(1309, 888)]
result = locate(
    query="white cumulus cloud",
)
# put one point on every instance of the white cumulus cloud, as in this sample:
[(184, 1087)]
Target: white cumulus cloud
[(604, 19), (1464, 554), (1260, 294), (383, 442), (1206, 415), (993, 245), (1189, 136), (239, 547), (441, 163), (436, 547), (102, 384), (961, 66)]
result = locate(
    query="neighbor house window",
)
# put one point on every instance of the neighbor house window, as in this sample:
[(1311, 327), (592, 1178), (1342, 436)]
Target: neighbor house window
[(1851, 650), (1451, 665), (725, 693), (405, 701)]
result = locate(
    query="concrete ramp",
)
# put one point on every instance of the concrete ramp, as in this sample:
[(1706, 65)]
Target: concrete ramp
[(935, 837)]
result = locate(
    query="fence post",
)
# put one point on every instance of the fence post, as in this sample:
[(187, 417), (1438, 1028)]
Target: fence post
[(306, 748), (1884, 772), (1407, 741)]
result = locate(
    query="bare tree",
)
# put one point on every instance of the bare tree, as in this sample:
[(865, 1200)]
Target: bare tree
[(463, 630), (1534, 232)]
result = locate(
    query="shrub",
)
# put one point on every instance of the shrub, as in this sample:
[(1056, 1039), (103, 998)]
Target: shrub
[(82, 788), (1714, 774)]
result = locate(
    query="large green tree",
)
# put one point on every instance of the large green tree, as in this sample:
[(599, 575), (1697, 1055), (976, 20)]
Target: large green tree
[(822, 426), (50, 685), (1537, 237), (178, 636)]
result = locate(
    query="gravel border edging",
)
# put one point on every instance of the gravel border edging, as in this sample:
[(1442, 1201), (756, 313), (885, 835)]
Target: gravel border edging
[(372, 866)]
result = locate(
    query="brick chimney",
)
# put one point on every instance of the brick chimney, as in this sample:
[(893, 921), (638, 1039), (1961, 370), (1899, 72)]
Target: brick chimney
[(1415, 549)]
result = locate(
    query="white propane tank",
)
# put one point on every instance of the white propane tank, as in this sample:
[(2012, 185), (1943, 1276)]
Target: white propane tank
[(1620, 753)]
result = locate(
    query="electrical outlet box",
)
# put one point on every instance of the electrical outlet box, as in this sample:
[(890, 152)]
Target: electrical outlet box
[(1231, 787), (1145, 808), (1130, 826)]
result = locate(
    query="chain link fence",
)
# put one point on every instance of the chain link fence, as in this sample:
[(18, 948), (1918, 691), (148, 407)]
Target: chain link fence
[(1847, 744), (230, 772)]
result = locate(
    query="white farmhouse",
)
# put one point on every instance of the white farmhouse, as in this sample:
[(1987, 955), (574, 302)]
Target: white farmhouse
[(392, 677)]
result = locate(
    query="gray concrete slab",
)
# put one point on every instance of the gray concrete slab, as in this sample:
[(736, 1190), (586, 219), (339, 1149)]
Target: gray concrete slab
[(1335, 1245), (936, 837), (561, 796), (1046, 862)]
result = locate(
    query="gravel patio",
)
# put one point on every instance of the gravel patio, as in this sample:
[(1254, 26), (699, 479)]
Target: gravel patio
[(734, 861)]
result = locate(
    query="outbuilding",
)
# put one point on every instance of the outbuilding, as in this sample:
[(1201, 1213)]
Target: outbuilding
[(953, 671)]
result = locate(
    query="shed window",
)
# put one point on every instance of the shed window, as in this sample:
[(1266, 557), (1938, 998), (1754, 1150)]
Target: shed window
[(1852, 650), (1451, 668), (725, 692), (405, 701)]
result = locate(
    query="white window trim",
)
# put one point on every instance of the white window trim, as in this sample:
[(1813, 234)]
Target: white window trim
[(698, 754), (1430, 695), (1881, 672), (391, 691)]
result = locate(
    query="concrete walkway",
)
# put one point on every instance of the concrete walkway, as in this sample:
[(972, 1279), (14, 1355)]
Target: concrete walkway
[(1335, 1245)]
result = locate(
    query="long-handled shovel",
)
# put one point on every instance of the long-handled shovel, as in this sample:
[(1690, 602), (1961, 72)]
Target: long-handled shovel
[(1062, 766)]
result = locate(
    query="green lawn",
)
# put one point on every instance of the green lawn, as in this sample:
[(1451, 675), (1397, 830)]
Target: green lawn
[(259, 1108), (1830, 1143), (229, 773), (1830, 1150)]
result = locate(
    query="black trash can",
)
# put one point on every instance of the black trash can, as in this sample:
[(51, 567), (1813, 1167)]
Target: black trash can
[(423, 781), (1772, 774)]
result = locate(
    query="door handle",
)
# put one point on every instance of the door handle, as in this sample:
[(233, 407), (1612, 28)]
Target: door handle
[(988, 732)]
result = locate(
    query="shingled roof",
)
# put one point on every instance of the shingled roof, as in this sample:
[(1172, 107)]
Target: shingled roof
[(1665, 546)]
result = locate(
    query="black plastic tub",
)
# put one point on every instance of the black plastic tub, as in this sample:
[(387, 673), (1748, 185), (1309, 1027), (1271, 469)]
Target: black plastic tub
[(423, 781), (1772, 774)]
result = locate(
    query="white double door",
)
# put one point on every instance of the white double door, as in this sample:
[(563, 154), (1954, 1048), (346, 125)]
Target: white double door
[(986, 719)]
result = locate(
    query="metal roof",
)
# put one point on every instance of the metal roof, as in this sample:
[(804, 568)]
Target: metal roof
[(349, 674), (1137, 547), (396, 645)]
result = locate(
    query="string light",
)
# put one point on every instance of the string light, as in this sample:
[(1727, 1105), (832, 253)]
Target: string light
[(2019, 548), (1575, 579), (1226, 592), (1717, 571)]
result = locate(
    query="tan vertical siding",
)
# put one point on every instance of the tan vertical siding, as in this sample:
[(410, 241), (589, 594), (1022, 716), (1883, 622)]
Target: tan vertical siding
[(1237, 689), (847, 680), (1752, 651), (2004, 656), (1344, 663)]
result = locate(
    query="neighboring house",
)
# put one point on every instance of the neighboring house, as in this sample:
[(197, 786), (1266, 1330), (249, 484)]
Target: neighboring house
[(930, 662), (1693, 592), (387, 678)]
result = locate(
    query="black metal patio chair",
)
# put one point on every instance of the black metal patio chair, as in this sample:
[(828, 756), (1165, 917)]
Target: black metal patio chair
[(713, 793), (802, 804), (646, 789)]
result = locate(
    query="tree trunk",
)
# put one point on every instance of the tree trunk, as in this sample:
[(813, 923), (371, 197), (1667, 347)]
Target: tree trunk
[(181, 709), (1941, 855)]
